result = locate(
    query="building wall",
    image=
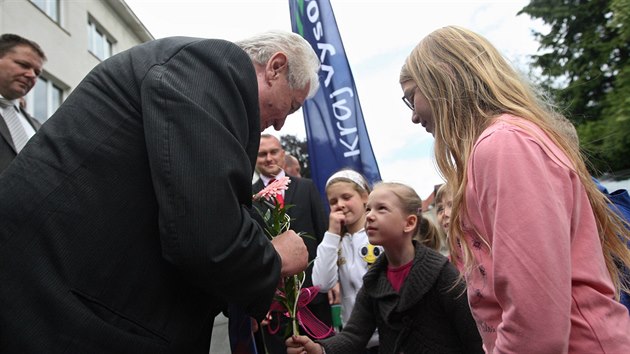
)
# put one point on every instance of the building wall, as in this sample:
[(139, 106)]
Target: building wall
[(66, 43)]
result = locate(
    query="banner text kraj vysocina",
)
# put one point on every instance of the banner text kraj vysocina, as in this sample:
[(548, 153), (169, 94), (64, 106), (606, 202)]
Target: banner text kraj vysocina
[(335, 129)]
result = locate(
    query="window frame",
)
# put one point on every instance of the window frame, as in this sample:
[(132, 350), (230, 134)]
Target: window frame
[(96, 32), (51, 87), (53, 13)]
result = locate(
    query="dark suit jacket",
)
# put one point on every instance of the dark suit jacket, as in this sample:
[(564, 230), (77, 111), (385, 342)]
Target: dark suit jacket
[(125, 222), (7, 149)]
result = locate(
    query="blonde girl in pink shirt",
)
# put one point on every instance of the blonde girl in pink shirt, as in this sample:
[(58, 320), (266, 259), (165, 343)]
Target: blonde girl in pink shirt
[(538, 242)]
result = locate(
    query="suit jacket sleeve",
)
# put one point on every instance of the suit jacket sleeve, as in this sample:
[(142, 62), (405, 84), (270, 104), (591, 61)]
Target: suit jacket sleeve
[(200, 112)]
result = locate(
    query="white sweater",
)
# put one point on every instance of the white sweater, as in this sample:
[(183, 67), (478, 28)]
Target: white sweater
[(327, 272)]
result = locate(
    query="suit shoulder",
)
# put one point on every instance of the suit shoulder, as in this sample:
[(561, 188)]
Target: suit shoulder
[(161, 51), (217, 44), (302, 180)]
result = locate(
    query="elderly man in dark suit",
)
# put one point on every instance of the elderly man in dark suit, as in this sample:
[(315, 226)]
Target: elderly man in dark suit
[(21, 62), (125, 222), (307, 215)]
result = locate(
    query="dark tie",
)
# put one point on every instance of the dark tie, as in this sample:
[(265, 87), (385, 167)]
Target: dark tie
[(279, 197), (18, 134)]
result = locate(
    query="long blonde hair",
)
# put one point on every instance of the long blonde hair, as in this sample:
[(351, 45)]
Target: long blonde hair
[(468, 84)]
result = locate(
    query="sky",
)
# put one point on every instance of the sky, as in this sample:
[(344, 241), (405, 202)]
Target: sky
[(377, 37)]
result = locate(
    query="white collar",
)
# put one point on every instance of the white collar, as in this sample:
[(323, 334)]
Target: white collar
[(15, 102)]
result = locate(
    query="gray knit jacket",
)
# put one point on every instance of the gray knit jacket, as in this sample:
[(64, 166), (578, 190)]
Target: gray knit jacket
[(427, 316)]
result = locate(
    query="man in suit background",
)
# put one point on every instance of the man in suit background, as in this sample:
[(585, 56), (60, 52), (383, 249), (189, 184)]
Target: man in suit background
[(21, 62), (292, 165), (126, 222), (307, 215)]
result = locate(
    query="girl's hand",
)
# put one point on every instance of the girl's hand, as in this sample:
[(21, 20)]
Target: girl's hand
[(334, 294), (336, 221), (302, 344)]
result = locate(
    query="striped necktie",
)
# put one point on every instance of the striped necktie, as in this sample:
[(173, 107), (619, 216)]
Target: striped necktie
[(18, 134)]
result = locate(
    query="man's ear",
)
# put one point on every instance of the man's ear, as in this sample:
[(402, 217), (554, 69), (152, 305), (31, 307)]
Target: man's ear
[(275, 66), (411, 222)]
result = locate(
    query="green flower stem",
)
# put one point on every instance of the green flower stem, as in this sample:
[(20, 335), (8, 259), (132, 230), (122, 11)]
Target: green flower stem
[(296, 295), (278, 221)]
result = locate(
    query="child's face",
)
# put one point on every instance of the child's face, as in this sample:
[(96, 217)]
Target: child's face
[(386, 224), (443, 211), (342, 196)]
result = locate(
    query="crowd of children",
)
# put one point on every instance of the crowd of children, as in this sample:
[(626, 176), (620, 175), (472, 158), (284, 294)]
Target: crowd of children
[(410, 293)]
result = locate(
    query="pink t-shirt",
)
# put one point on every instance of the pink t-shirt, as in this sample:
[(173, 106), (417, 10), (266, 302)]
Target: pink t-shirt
[(397, 276), (543, 286)]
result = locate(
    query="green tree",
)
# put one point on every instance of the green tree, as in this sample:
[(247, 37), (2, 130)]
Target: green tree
[(298, 148), (585, 64)]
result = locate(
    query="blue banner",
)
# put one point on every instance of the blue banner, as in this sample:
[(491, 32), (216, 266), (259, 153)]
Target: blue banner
[(335, 129)]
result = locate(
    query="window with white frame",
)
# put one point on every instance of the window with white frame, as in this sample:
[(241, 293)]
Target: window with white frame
[(49, 7), (100, 44), (44, 99)]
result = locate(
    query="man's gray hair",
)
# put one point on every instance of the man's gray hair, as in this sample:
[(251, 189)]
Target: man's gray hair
[(303, 63)]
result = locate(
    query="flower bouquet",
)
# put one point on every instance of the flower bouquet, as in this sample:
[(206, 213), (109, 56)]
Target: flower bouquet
[(290, 298)]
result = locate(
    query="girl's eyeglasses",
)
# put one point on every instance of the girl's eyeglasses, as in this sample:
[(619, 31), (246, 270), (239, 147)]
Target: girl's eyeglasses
[(408, 103)]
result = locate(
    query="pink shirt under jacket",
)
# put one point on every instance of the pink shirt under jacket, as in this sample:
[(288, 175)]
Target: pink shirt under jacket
[(543, 287)]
